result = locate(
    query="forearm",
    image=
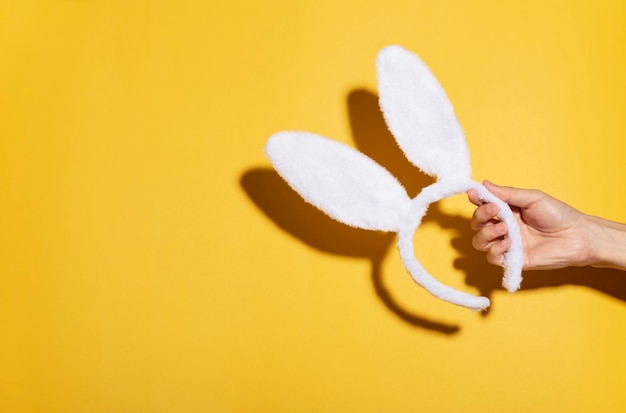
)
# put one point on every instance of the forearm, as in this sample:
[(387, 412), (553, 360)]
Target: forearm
[(607, 243)]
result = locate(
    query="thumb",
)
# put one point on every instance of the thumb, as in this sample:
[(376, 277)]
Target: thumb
[(521, 198)]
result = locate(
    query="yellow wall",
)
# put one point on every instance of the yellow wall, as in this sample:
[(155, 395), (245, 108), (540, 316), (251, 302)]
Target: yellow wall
[(151, 261)]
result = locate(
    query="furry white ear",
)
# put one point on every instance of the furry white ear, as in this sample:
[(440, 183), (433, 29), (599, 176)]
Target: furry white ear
[(342, 182), (420, 116)]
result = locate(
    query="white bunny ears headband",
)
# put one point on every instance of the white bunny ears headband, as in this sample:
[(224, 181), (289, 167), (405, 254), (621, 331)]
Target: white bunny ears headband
[(355, 190)]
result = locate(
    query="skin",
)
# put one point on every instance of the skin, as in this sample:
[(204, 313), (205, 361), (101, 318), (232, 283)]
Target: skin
[(554, 234)]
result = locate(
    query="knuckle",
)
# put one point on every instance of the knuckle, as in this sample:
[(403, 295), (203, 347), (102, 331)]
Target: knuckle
[(478, 243), (474, 223), (495, 259)]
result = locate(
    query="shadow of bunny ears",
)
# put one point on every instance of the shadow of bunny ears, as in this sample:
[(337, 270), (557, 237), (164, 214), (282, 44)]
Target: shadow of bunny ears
[(314, 228)]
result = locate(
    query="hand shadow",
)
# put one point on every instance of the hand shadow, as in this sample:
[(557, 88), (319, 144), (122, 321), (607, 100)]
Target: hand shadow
[(287, 210)]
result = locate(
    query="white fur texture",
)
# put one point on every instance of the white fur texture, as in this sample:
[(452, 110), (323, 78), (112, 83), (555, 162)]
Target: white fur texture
[(355, 190), (420, 116), (412, 221), (342, 182)]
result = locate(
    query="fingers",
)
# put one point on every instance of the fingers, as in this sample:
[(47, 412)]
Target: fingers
[(484, 239), (474, 197), (518, 197), (491, 233), (484, 215), (492, 239), (495, 254)]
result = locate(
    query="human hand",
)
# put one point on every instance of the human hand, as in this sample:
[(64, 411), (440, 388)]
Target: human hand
[(554, 234)]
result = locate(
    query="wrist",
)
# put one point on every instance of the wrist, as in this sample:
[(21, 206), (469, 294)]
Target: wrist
[(607, 243)]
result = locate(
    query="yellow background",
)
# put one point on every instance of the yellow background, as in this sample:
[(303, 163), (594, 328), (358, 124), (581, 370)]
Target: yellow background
[(151, 261)]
